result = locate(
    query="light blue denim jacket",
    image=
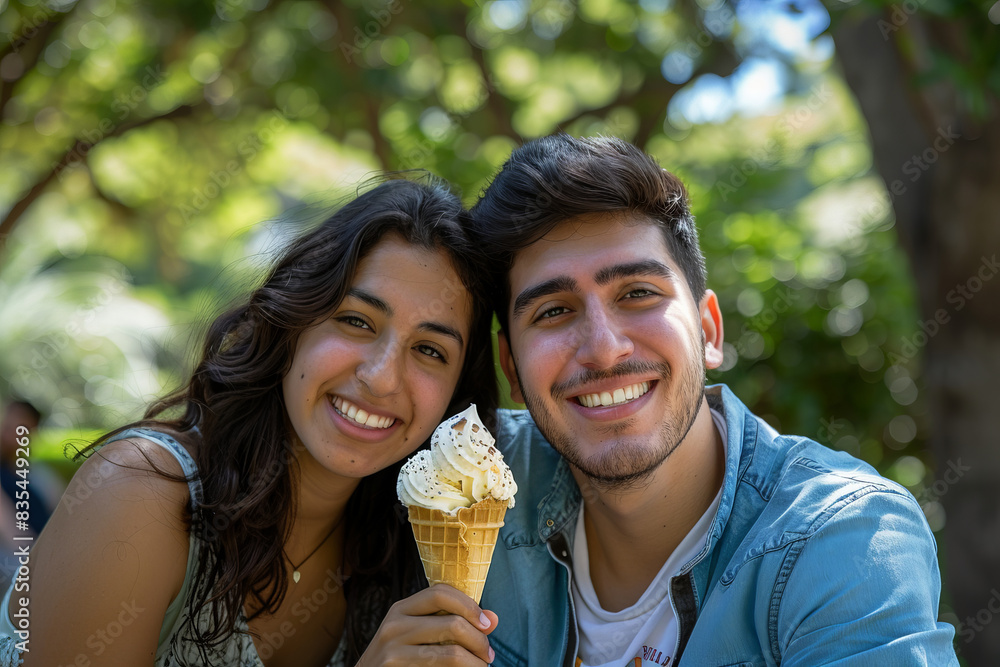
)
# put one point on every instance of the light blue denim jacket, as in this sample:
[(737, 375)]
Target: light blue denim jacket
[(812, 558)]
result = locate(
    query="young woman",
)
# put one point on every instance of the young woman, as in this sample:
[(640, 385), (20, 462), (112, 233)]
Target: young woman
[(250, 519)]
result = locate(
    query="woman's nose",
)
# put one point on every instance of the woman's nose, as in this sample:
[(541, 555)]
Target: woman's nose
[(381, 373)]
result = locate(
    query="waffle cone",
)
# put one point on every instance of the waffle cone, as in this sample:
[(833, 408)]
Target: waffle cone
[(457, 550)]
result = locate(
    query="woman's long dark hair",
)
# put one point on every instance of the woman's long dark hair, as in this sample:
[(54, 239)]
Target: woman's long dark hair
[(234, 397)]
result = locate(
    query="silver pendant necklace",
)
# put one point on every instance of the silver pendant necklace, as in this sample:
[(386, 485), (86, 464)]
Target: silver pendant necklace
[(296, 575)]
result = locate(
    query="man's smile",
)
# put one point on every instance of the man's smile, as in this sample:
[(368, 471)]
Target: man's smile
[(613, 397)]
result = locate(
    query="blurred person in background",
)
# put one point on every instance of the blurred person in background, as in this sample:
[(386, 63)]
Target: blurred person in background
[(251, 517), (44, 485)]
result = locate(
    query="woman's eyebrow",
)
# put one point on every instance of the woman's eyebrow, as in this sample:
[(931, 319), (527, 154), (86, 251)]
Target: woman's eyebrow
[(444, 330), (372, 300)]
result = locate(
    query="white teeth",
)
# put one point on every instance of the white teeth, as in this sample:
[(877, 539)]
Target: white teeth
[(353, 412), (617, 397)]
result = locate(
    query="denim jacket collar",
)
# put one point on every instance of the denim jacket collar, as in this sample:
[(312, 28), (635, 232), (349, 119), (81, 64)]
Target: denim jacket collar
[(558, 510)]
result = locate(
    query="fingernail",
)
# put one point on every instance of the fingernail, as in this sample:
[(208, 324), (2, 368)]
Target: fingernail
[(484, 621), (492, 654)]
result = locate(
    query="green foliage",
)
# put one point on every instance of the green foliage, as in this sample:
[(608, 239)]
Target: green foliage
[(169, 132)]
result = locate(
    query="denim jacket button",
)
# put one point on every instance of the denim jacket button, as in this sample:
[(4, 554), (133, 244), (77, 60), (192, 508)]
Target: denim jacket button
[(549, 523)]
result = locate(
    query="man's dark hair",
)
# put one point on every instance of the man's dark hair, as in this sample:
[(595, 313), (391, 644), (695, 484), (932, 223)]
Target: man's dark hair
[(550, 180)]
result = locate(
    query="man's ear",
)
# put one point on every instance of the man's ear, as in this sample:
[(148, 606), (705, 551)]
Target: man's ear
[(507, 364), (711, 326)]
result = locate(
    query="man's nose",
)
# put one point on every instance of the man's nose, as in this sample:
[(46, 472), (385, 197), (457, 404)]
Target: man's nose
[(602, 340)]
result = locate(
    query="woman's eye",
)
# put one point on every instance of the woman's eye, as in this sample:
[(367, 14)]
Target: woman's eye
[(355, 322), (429, 351)]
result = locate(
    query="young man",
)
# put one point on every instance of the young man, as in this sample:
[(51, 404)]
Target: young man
[(666, 519)]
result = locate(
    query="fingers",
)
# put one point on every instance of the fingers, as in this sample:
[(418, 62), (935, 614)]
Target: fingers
[(442, 597), (454, 633), (428, 656), (440, 615)]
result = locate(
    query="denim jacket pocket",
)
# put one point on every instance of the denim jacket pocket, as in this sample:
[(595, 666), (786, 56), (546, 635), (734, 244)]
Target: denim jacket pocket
[(506, 656)]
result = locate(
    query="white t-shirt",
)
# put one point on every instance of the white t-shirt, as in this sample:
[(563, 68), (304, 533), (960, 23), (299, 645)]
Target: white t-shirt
[(646, 632)]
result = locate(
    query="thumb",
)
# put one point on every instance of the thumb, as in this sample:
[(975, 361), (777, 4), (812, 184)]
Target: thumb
[(494, 621)]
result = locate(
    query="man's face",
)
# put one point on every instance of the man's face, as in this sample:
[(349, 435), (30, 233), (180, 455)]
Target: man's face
[(607, 347)]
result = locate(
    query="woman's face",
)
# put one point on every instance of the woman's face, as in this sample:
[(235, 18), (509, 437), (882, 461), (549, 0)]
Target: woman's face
[(370, 383)]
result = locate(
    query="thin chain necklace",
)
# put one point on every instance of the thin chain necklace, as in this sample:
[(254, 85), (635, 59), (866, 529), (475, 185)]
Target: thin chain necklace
[(296, 575)]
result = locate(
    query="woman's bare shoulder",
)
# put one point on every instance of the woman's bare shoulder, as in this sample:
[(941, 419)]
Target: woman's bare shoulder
[(118, 540), (133, 462)]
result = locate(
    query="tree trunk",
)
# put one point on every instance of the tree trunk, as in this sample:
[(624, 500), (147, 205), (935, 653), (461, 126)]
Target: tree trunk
[(943, 173)]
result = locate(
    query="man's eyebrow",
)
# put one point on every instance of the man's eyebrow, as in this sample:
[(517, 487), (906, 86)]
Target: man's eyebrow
[(444, 330), (551, 286), (646, 267), (372, 300)]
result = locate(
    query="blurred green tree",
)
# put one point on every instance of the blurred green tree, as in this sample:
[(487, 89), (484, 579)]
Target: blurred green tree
[(141, 142), (927, 79)]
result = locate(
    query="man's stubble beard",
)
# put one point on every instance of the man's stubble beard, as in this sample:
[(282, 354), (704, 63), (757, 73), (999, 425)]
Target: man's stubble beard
[(628, 462)]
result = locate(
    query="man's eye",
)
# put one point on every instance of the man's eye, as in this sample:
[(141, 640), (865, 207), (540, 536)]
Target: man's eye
[(553, 312), (432, 352), (637, 293)]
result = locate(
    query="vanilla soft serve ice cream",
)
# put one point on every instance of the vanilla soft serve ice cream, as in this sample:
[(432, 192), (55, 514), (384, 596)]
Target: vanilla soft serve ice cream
[(461, 468)]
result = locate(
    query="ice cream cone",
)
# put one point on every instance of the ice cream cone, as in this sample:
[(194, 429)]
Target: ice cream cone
[(457, 550)]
